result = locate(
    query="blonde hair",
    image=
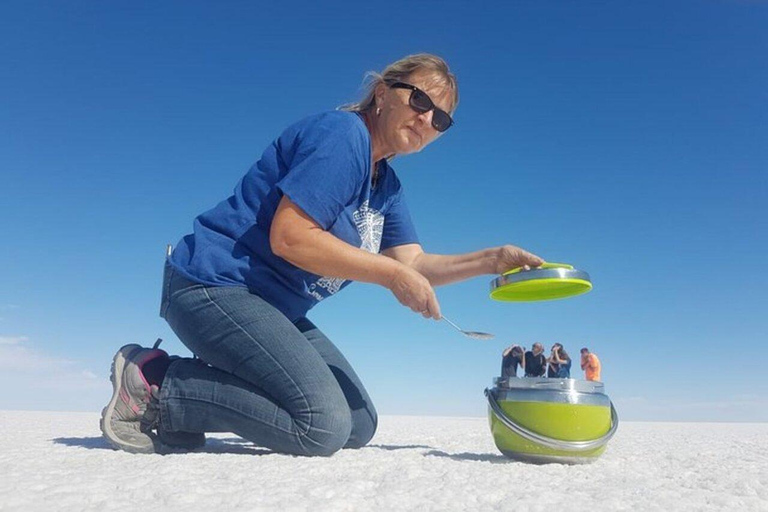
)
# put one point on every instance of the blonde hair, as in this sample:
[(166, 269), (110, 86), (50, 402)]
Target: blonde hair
[(400, 71)]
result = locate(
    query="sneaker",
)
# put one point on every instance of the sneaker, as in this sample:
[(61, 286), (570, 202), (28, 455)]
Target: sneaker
[(122, 420)]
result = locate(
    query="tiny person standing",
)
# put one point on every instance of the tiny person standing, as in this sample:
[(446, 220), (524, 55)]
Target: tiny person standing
[(512, 357), (590, 364)]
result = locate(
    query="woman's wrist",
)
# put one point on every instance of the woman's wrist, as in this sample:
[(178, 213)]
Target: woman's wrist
[(389, 271), (495, 258)]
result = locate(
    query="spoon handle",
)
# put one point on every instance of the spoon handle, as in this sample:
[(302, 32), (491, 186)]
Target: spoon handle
[(453, 324)]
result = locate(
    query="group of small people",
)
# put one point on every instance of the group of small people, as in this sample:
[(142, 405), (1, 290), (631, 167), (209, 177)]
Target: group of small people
[(558, 365)]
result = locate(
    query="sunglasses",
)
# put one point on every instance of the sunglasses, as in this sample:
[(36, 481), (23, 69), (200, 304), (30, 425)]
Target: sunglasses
[(421, 103)]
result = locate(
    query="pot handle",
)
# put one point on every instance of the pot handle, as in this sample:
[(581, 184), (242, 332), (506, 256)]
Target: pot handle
[(549, 442)]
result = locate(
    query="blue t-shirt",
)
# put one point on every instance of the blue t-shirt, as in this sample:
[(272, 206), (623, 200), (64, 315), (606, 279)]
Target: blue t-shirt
[(323, 164), (564, 370)]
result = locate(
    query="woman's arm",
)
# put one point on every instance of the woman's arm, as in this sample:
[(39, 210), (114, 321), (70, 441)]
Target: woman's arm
[(297, 238), (444, 269)]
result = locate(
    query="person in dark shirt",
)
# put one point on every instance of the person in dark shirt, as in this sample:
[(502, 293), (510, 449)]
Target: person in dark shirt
[(512, 357), (535, 362)]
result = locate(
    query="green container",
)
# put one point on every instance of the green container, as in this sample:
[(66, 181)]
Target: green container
[(550, 420)]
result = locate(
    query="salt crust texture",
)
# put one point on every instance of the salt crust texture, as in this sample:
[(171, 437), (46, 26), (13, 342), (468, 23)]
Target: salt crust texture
[(58, 461)]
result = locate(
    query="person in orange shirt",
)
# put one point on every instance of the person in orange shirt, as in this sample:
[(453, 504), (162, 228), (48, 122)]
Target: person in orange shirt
[(590, 364)]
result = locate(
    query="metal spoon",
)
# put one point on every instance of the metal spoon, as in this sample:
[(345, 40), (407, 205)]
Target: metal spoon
[(471, 334)]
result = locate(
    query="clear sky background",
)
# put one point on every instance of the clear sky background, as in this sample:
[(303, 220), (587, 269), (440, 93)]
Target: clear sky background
[(629, 139)]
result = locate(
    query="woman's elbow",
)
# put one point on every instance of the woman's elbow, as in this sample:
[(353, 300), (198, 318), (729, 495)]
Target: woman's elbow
[(281, 243)]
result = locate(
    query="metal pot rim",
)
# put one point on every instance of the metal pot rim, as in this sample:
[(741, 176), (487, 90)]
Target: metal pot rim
[(551, 384)]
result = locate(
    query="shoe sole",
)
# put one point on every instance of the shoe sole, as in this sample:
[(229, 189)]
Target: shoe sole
[(116, 376)]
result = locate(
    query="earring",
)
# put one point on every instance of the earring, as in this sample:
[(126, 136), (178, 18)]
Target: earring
[(378, 111)]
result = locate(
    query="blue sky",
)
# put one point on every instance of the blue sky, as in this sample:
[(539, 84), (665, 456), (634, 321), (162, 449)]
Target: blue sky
[(628, 139)]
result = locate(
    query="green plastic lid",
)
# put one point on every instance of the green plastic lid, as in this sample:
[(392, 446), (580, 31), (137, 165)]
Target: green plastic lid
[(547, 282)]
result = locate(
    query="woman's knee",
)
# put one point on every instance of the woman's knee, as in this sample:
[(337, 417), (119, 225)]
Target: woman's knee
[(364, 424), (328, 433)]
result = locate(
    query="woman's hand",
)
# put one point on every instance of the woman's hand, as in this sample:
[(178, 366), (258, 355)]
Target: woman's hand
[(414, 291), (510, 256)]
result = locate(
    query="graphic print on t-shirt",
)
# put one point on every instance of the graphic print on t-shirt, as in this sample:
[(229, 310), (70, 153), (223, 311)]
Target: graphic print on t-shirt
[(370, 226)]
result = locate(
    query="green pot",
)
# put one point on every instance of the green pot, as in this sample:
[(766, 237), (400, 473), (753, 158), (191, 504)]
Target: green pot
[(550, 420)]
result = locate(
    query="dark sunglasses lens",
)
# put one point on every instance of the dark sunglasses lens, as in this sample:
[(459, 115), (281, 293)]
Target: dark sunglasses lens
[(420, 102), (440, 120)]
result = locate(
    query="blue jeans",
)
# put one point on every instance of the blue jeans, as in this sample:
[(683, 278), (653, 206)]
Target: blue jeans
[(280, 384)]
